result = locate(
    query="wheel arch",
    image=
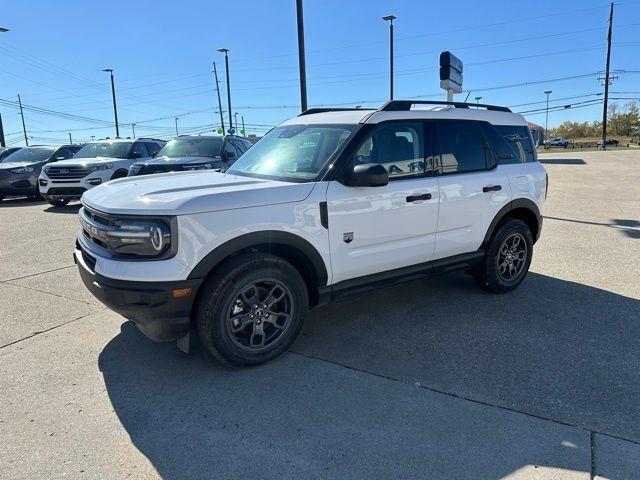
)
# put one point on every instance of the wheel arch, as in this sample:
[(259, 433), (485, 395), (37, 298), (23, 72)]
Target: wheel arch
[(119, 173), (522, 209), (292, 248)]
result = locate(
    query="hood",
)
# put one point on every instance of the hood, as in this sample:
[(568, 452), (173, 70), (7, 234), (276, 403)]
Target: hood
[(12, 165), (184, 193), (180, 160), (86, 161)]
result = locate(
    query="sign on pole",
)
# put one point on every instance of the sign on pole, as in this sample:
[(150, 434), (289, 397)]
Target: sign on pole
[(450, 74)]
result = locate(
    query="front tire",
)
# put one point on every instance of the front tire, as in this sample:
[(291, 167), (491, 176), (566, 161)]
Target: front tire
[(58, 202), (507, 258), (252, 309)]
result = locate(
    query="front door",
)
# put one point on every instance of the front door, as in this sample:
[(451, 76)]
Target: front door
[(375, 229)]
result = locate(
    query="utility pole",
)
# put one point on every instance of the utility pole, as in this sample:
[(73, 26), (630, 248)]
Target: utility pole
[(235, 120), (2, 142), (24, 129), (113, 95), (133, 127), (390, 19), (301, 59), (176, 119), (546, 122), (226, 64), (244, 132), (215, 72), (70, 141), (605, 105)]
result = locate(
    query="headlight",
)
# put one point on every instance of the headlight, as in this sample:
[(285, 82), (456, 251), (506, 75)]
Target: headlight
[(23, 170), (146, 237), (106, 166)]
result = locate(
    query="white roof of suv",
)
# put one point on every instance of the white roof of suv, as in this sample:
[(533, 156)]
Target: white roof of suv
[(401, 110)]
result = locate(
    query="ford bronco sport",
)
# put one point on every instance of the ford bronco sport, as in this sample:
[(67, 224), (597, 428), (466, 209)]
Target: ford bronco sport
[(332, 202)]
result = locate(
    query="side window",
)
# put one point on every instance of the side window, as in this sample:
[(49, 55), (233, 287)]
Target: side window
[(519, 139), (504, 153), (247, 144), (399, 147), (153, 148), (461, 147), (139, 151), (239, 146)]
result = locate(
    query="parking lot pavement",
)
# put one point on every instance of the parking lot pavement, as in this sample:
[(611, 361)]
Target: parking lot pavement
[(435, 379)]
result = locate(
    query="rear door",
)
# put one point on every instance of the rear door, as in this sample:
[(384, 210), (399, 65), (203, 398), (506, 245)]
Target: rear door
[(472, 189), (375, 229)]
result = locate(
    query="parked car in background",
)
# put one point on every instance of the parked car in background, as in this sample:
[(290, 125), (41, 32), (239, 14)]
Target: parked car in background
[(610, 141), (193, 153), (558, 142), (6, 151), (19, 171), (97, 162)]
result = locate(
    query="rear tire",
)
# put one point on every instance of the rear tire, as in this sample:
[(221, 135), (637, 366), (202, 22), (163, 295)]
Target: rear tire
[(507, 258), (251, 310), (58, 202)]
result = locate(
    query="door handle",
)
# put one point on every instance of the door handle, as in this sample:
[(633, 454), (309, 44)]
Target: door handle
[(415, 198), (492, 188)]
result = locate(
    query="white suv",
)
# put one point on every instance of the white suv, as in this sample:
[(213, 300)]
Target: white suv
[(94, 164), (329, 203)]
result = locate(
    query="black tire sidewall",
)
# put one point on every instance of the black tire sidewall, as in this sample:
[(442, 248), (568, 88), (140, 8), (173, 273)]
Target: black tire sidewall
[(221, 289), (490, 279)]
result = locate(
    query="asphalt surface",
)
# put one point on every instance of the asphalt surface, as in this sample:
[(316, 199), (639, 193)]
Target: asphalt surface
[(434, 379)]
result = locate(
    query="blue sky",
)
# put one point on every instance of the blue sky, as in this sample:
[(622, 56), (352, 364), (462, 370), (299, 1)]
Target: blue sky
[(162, 54)]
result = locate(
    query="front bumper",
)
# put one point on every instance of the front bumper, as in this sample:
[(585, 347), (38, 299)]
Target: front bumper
[(152, 306), (70, 189), (18, 184)]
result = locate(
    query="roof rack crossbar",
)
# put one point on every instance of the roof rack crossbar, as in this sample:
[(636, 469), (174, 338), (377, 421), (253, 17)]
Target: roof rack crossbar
[(403, 105), (310, 111)]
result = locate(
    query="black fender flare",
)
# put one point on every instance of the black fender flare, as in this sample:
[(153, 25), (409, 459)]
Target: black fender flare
[(263, 237), (518, 203)]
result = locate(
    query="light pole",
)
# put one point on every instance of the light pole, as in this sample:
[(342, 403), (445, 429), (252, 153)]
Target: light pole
[(546, 122), (113, 95), (133, 127), (226, 64), (2, 142), (301, 60), (235, 120), (176, 120), (478, 100), (390, 19)]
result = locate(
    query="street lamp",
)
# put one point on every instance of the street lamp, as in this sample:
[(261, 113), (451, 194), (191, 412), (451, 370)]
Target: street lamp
[(176, 120), (133, 127), (113, 95), (478, 100), (226, 64), (546, 122), (390, 19)]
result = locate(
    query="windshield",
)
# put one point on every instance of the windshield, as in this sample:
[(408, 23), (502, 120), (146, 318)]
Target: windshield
[(293, 152), (191, 147), (104, 149), (29, 155)]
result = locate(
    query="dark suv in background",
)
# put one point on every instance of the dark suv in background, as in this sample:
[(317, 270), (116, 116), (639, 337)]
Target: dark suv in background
[(19, 171), (193, 153)]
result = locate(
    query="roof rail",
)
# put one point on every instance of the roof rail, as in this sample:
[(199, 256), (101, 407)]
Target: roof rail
[(310, 111), (403, 105)]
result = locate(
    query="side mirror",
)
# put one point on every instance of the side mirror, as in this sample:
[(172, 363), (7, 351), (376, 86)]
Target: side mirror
[(368, 175)]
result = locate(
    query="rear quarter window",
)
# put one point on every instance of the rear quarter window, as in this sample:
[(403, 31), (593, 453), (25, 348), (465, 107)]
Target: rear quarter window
[(520, 141)]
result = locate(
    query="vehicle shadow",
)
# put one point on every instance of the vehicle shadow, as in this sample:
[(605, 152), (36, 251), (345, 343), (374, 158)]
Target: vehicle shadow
[(65, 209), (553, 348), (563, 161), (628, 227), (20, 202)]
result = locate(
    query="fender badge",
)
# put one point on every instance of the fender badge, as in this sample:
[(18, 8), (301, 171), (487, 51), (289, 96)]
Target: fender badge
[(347, 237)]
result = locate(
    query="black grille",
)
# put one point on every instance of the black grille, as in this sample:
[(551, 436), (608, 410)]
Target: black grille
[(69, 191), (68, 172)]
